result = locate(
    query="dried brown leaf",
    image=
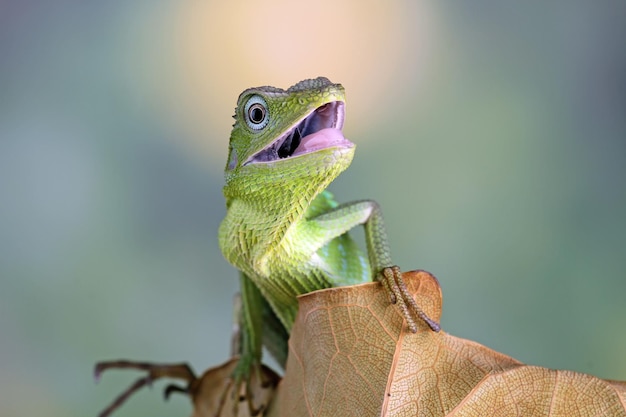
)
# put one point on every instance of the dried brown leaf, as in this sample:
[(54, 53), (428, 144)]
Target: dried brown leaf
[(350, 355)]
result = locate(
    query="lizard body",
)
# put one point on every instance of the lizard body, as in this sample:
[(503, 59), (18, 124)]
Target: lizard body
[(283, 231)]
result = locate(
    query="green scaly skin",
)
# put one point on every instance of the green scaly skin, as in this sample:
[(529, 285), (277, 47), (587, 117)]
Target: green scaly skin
[(283, 231)]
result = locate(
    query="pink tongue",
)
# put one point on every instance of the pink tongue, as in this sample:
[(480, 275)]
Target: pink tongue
[(322, 139)]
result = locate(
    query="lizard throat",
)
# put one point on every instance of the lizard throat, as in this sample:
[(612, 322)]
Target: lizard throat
[(321, 129)]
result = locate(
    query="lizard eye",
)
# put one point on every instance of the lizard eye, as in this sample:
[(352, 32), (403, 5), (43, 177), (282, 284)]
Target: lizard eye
[(255, 112)]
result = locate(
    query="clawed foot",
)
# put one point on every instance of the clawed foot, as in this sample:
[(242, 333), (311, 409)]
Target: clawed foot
[(391, 278), (255, 390), (154, 371)]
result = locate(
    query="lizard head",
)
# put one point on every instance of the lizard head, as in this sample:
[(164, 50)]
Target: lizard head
[(289, 133)]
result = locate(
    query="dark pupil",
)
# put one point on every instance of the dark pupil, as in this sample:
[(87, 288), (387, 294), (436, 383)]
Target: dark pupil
[(256, 114)]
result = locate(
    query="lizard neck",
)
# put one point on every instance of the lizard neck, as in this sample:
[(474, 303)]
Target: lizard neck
[(265, 200)]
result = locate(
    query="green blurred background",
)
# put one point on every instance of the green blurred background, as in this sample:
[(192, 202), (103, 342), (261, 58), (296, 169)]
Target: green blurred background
[(492, 133)]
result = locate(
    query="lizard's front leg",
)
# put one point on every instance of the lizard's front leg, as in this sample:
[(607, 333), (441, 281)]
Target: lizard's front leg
[(368, 213), (389, 274)]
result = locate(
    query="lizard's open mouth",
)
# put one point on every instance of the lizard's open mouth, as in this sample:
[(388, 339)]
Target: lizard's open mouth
[(321, 129)]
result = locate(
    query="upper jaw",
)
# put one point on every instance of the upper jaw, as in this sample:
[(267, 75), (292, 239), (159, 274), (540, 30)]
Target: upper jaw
[(320, 129)]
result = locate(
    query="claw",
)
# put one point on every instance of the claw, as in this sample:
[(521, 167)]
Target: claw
[(395, 286), (254, 390), (243, 382)]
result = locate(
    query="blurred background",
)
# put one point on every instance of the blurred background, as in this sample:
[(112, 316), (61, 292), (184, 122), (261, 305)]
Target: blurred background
[(492, 133)]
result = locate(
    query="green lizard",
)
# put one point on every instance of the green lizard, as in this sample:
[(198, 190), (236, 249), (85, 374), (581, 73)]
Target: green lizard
[(283, 231)]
